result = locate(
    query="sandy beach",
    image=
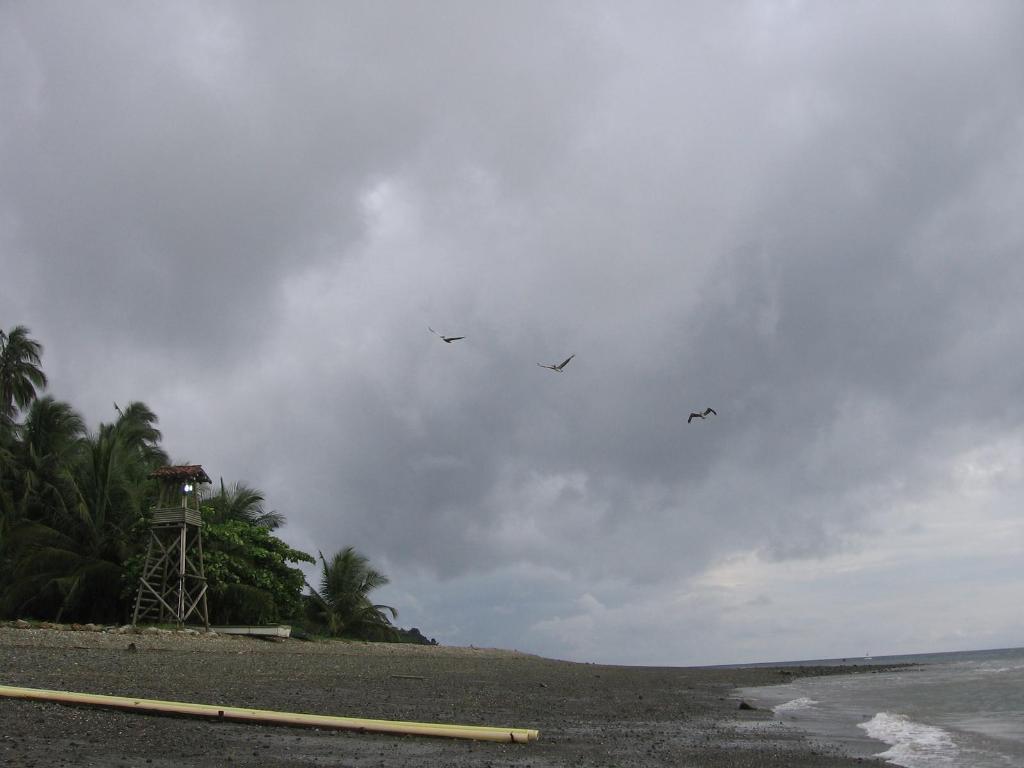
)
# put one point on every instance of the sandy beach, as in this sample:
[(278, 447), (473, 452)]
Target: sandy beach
[(587, 714)]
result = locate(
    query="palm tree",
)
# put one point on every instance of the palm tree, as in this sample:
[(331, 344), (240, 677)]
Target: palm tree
[(20, 378), (342, 605), (20, 374), (49, 575), (244, 503), (74, 567), (113, 478), (8, 471), (37, 487), (51, 445)]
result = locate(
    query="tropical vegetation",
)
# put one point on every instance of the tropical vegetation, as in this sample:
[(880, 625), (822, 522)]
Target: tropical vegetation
[(342, 605), (74, 520)]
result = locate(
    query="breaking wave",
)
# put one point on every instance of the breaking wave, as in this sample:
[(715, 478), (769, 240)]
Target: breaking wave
[(912, 745)]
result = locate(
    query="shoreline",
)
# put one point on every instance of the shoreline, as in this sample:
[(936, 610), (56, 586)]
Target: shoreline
[(586, 714)]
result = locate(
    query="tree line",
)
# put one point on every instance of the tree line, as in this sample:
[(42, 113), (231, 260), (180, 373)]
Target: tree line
[(74, 523)]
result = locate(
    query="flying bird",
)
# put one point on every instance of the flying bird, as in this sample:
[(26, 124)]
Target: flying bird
[(701, 415), (560, 366), (445, 339)]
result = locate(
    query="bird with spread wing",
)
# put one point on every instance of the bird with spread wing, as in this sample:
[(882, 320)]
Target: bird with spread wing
[(445, 339), (560, 367), (696, 415)]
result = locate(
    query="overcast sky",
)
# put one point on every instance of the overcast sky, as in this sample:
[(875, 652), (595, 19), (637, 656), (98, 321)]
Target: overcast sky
[(807, 216)]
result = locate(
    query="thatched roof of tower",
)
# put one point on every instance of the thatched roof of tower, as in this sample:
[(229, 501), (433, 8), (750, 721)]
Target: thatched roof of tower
[(182, 472)]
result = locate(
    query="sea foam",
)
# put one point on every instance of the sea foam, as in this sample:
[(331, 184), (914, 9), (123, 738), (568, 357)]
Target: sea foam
[(912, 745), (796, 705)]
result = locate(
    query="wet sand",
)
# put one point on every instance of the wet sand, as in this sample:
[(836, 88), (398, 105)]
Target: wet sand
[(587, 714)]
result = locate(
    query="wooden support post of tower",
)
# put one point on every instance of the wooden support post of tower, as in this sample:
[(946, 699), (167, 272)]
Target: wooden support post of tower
[(172, 587)]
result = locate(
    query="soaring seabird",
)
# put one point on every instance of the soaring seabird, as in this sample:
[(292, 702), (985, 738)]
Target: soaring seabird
[(701, 415), (445, 339), (560, 366)]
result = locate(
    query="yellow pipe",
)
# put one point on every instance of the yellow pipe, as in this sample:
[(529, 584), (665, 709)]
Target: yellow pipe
[(478, 732)]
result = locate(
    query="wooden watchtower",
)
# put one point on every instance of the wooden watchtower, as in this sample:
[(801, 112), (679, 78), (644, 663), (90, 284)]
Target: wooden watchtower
[(172, 588)]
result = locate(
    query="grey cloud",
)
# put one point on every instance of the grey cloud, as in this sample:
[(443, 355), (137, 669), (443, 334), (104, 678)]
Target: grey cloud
[(803, 216)]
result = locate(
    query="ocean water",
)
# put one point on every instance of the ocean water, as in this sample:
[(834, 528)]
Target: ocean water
[(954, 710)]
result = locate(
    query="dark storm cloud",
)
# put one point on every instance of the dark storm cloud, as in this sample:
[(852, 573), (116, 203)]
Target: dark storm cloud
[(182, 161)]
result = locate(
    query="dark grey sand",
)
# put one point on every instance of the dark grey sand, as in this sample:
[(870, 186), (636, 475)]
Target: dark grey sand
[(587, 715)]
